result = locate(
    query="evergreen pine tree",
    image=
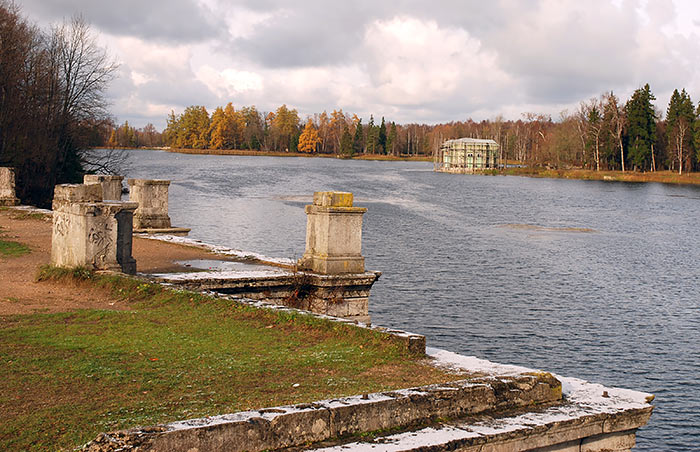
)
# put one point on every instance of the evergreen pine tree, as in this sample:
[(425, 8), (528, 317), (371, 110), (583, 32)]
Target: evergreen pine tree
[(696, 136), (357, 140), (372, 136), (381, 138), (642, 127), (680, 119), (346, 142)]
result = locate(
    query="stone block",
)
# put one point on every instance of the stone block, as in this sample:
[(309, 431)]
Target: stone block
[(358, 306), (333, 199), (338, 308), (8, 196), (611, 442), (152, 198), (111, 185), (68, 194)]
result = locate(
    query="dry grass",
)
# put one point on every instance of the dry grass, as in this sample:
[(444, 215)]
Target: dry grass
[(665, 177)]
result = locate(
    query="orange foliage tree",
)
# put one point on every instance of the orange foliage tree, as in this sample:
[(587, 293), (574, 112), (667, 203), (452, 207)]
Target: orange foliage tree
[(309, 139)]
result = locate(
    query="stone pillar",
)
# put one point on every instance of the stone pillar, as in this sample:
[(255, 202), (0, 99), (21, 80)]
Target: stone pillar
[(89, 232), (7, 187), (111, 185), (333, 235), (152, 197)]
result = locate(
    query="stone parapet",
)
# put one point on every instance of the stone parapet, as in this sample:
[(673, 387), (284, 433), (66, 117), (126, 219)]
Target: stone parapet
[(333, 235), (345, 295), (111, 185), (90, 232), (8, 196)]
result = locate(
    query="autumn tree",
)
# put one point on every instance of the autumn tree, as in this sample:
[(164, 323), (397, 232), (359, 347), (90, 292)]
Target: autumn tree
[(336, 128), (309, 139), (227, 128), (253, 128), (594, 127), (615, 116), (284, 129), (391, 139)]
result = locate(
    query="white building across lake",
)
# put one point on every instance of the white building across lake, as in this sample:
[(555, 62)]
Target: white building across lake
[(466, 155)]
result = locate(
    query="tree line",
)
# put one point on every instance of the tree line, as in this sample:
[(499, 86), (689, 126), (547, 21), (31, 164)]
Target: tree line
[(52, 104), (603, 133)]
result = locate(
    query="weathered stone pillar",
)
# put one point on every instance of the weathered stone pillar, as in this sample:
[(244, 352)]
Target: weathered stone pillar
[(111, 185), (152, 214), (90, 232), (152, 197), (333, 235), (7, 187)]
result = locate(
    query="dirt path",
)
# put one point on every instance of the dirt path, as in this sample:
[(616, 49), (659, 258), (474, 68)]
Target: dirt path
[(21, 294)]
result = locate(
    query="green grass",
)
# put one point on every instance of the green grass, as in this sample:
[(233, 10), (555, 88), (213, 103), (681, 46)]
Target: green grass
[(176, 355), (13, 249)]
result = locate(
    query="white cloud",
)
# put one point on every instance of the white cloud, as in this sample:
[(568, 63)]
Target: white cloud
[(230, 82), (413, 62)]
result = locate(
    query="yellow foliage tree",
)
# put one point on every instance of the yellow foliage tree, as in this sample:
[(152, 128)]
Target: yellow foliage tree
[(226, 129), (308, 140)]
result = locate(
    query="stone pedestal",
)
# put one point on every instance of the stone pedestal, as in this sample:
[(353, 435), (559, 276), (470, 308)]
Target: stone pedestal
[(7, 187), (152, 197), (89, 232), (333, 235), (111, 185)]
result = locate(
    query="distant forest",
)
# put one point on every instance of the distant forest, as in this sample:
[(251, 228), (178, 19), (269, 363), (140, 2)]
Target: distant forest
[(602, 134)]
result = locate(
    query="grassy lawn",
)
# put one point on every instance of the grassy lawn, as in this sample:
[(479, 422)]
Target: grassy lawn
[(176, 355)]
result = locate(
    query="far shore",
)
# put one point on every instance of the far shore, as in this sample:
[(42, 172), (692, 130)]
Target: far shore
[(406, 158), (664, 177)]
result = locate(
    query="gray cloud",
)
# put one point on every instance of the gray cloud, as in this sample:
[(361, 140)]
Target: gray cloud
[(315, 55), (175, 21)]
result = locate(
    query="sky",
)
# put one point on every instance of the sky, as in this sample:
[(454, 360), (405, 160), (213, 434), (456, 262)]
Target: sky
[(408, 60)]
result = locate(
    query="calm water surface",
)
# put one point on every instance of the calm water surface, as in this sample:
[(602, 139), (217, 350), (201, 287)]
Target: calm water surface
[(602, 284)]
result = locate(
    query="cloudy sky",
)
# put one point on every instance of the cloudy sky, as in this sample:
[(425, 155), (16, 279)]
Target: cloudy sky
[(409, 60)]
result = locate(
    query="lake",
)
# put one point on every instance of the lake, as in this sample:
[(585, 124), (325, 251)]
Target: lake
[(591, 279)]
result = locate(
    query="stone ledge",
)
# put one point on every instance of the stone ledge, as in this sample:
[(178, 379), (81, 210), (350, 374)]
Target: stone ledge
[(168, 231), (297, 425)]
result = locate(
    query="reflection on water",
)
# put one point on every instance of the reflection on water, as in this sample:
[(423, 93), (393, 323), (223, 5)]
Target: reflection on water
[(618, 304)]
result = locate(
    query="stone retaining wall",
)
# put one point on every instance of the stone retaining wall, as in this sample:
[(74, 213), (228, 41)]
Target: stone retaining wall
[(297, 425)]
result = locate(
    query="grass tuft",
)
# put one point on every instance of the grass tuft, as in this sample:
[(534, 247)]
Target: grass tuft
[(13, 249)]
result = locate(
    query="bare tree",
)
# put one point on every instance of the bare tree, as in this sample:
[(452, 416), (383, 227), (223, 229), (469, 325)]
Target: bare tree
[(619, 120), (52, 96)]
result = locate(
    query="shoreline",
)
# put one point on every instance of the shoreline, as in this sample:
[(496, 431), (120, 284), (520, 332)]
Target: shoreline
[(664, 177)]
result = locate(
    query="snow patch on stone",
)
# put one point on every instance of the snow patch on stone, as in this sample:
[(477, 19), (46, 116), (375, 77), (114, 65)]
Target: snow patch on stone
[(217, 249)]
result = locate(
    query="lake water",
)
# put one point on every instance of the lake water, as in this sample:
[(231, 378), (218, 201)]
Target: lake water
[(596, 280)]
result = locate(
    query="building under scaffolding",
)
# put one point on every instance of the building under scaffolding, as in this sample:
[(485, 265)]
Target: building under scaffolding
[(466, 155)]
